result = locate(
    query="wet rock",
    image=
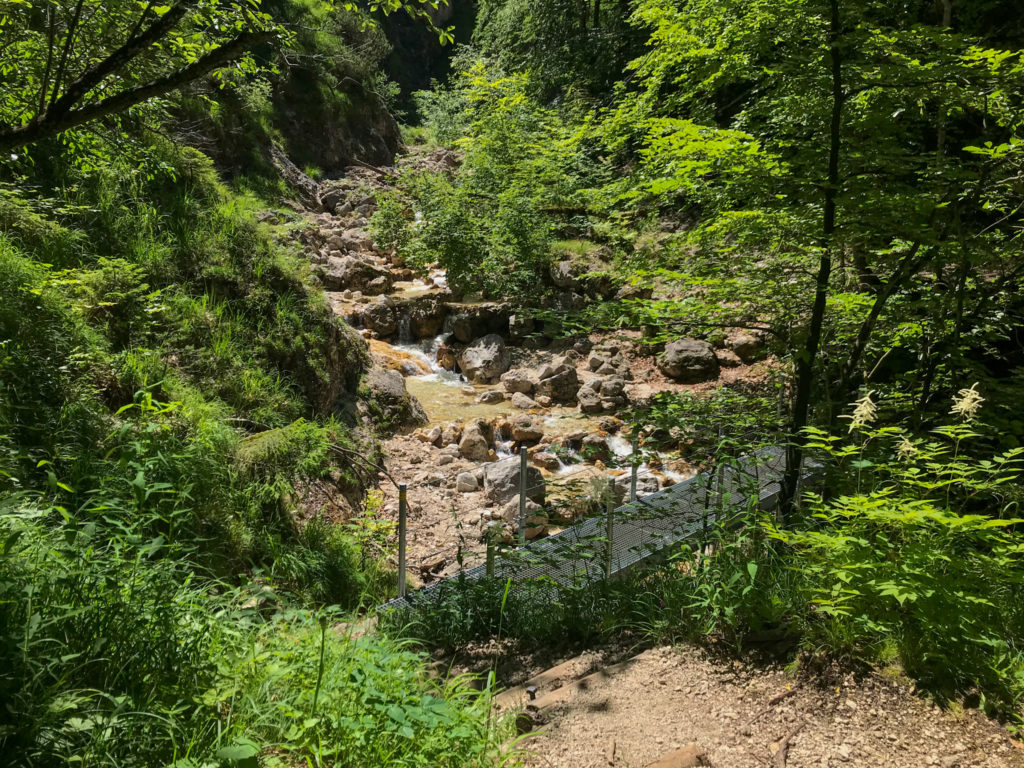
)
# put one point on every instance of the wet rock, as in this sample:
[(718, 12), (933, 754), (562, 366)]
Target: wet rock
[(466, 483), (523, 402), (485, 359), (489, 398), (526, 429), (426, 318), (548, 461), (689, 361), (518, 380), (446, 357), (595, 448), (381, 317), (501, 482)]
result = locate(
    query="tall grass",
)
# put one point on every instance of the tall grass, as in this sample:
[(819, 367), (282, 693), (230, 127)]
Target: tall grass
[(115, 651)]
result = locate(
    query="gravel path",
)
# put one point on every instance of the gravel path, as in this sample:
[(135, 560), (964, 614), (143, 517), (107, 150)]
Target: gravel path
[(738, 715)]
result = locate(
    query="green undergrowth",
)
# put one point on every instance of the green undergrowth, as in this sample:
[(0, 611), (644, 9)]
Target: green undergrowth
[(912, 560), (176, 405), (119, 649)]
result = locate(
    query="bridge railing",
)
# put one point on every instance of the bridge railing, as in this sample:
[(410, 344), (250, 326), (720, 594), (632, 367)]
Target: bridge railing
[(619, 537)]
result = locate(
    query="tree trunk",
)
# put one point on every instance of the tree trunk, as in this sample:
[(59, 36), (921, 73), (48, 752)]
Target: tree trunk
[(807, 357)]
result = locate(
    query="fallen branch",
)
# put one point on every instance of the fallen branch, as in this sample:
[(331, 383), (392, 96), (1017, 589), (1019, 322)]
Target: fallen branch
[(782, 755)]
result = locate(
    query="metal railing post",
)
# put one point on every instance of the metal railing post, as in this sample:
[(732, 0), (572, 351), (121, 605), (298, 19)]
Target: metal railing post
[(635, 470), (523, 459), (610, 535), (492, 529), (402, 513)]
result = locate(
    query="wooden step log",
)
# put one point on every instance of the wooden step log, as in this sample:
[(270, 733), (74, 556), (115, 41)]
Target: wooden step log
[(536, 712), (518, 697)]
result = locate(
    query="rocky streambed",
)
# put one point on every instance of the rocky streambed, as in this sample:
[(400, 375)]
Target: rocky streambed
[(467, 383)]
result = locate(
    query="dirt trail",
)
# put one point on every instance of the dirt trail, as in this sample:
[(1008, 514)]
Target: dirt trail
[(739, 716)]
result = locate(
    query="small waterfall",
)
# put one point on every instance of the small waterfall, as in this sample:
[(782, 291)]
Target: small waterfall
[(404, 328), (503, 448)]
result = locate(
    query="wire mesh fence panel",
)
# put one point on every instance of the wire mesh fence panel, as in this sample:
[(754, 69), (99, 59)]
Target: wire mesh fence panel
[(638, 530)]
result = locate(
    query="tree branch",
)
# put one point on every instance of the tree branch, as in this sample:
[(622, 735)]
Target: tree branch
[(69, 43), (119, 58), (53, 124)]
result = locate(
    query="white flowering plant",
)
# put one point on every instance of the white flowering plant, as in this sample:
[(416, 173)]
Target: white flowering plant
[(912, 551)]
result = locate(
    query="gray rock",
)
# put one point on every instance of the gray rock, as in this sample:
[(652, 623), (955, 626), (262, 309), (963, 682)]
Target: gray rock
[(381, 317), (526, 429), (523, 402), (613, 386), (426, 318), (485, 359), (590, 401), (466, 482), (520, 327), (518, 380), (395, 408), (473, 446), (332, 198), (727, 358), (489, 398), (355, 274), (689, 361), (501, 482), (748, 345), (476, 440), (561, 385), (563, 274), (645, 486)]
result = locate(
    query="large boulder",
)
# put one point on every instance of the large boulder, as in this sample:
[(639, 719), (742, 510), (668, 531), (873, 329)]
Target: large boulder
[(689, 361), (355, 274), (389, 405), (485, 359), (501, 482), (381, 317)]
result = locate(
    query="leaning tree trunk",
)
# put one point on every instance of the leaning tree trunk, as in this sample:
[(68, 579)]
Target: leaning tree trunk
[(809, 354)]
